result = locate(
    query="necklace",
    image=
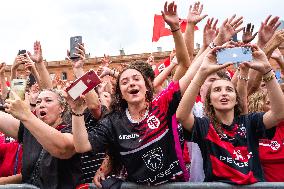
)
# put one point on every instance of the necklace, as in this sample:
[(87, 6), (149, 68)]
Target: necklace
[(134, 121)]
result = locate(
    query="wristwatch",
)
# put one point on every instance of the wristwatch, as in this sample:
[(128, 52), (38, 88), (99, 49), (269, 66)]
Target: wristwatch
[(212, 45)]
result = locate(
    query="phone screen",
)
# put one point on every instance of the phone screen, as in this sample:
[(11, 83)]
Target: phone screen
[(23, 52), (74, 42), (235, 55), (19, 87)]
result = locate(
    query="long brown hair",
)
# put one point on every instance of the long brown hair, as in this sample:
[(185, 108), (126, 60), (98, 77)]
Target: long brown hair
[(210, 111)]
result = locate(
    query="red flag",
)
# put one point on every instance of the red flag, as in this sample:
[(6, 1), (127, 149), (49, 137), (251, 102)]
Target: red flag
[(159, 29), (159, 68)]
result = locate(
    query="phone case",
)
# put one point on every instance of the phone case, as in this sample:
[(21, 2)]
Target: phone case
[(74, 42), (83, 84), (235, 55)]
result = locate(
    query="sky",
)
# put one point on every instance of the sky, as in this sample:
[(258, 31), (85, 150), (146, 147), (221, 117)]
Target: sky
[(107, 26)]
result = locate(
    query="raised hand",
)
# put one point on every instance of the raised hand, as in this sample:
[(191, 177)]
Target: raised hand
[(104, 71), (17, 62), (37, 55), (77, 106), (228, 29), (106, 60), (17, 107), (2, 68), (278, 37), (29, 64), (209, 65), (194, 14), (170, 15), (277, 55), (210, 32), (248, 35), (151, 60), (79, 62), (260, 61), (267, 29)]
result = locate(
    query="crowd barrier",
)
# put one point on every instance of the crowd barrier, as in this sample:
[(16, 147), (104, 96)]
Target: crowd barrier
[(177, 185), (203, 185), (18, 186)]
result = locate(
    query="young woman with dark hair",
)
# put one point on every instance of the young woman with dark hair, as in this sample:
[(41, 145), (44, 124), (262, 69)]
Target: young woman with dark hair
[(227, 139), (139, 132)]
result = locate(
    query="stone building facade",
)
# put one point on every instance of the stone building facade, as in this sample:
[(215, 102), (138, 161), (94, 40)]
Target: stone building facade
[(63, 68)]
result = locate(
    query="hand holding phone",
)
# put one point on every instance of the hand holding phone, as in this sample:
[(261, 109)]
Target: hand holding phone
[(235, 55), (83, 84), (74, 42)]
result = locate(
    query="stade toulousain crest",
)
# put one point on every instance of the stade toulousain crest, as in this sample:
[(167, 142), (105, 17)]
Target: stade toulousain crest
[(153, 159)]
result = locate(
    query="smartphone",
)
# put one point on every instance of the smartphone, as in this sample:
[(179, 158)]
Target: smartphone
[(19, 87), (83, 84), (278, 75), (236, 55), (74, 42), (23, 52)]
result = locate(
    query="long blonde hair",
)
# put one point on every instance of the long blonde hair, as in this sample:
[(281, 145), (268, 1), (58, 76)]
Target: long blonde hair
[(256, 101)]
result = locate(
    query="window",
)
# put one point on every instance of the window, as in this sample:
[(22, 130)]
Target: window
[(52, 76), (64, 76)]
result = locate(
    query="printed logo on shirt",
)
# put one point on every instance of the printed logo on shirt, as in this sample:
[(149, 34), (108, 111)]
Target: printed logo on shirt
[(242, 131), (154, 159), (232, 161), (132, 136), (240, 157), (273, 144), (153, 122), (9, 139), (171, 170)]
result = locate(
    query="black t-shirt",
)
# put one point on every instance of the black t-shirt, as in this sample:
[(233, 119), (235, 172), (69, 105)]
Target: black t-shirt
[(147, 149), (91, 162), (54, 173), (231, 157)]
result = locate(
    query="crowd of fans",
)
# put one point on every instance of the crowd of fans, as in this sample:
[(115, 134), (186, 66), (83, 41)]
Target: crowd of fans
[(196, 121)]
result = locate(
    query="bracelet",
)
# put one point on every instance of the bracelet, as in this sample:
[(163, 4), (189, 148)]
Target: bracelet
[(32, 105), (212, 45), (78, 115), (175, 30), (268, 72), (243, 78), (269, 78)]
